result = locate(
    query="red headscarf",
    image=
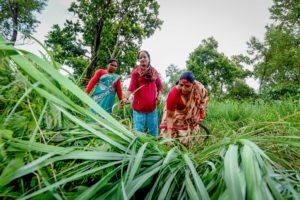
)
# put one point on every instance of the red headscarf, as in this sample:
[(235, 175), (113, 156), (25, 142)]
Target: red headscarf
[(149, 73)]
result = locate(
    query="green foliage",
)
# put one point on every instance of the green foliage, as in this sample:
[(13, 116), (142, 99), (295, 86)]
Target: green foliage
[(239, 90), (214, 69), (279, 92), (107, 29), (173, 73), (277, 58), (19, 15), (67, 49), (253, 114)]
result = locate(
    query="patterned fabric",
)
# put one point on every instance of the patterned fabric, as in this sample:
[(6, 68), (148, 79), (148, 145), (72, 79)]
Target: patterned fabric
[(104, 94), (186, 120), (151, 119), (184, 136), (144, 99), (148, 73)]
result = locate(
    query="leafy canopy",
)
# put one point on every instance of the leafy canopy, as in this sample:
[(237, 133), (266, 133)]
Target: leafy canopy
[(19, 15), (214, 69), (277, 58), (104, 29)]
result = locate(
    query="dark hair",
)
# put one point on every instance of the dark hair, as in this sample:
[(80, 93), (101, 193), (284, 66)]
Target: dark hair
[(188, 75), (113, 60), (144, 51)]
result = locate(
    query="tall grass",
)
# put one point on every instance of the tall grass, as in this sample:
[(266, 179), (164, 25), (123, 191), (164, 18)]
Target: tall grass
[(49, 151), (247, 116)]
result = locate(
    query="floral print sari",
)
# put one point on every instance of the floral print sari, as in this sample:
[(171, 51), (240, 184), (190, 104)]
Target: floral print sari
[(186, 120)]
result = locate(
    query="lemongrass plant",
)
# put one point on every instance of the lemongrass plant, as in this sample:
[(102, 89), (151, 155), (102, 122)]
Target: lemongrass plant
[(74, 159)]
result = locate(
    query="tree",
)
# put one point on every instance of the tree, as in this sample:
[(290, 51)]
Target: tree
[(173, 73), (239, 90), (277, 58), (67, 49), (112, 29), (17, 15), (214, 69)]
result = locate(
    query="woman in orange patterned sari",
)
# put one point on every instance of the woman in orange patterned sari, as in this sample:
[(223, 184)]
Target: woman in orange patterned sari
[(185, 107)]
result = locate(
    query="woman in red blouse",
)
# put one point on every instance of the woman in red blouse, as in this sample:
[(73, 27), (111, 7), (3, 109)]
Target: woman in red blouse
[(146, 87), (185, 107), (107, 84)]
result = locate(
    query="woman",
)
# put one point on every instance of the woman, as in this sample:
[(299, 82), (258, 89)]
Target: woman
[(146, 87), (107, 84), (185, 107)]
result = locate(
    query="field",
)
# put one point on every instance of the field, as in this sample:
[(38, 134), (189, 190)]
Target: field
[(49, 149)]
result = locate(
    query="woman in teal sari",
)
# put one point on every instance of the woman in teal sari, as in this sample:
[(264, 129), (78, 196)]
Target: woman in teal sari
[(107, 85)]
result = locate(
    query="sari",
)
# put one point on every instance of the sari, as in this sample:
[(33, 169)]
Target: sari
[(186, 120), (104, 93)]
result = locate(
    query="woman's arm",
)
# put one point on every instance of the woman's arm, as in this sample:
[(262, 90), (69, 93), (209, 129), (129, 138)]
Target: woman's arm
[(119, 89), (158, 97), (170, 119), (125, 99), (94, 80), (159, 90), (132, 87), (204, 100)]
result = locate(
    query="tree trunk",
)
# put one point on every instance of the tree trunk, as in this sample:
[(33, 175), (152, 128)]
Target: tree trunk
[(14, 13), (97, 43), (90, 70)]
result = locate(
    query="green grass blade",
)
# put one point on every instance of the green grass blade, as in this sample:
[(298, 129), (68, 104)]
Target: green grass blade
[(34, 73), (255, 148), (124, 192), (138, 182), (201, 190), (166, 187), (39, 122), (89, 128), (32, 146), (252, 174), (137, 163), (91, 191), (68, 179), (18, 103), (8, 172), (231, 177), (191, 190), (73, 88)]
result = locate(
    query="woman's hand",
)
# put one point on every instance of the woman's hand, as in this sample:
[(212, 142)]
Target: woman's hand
[(169, 144), (123, 102), (125, 99), (169, 131), (158, 98)]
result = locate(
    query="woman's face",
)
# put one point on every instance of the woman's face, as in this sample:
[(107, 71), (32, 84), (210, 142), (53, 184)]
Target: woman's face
[(112, 67), (185, 87), (144, 59)]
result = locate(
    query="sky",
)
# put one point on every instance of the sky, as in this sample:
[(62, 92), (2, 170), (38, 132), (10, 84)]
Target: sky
[(186, 24)]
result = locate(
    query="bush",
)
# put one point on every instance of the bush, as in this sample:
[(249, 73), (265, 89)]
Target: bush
[(240, 90), (279, 92)]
